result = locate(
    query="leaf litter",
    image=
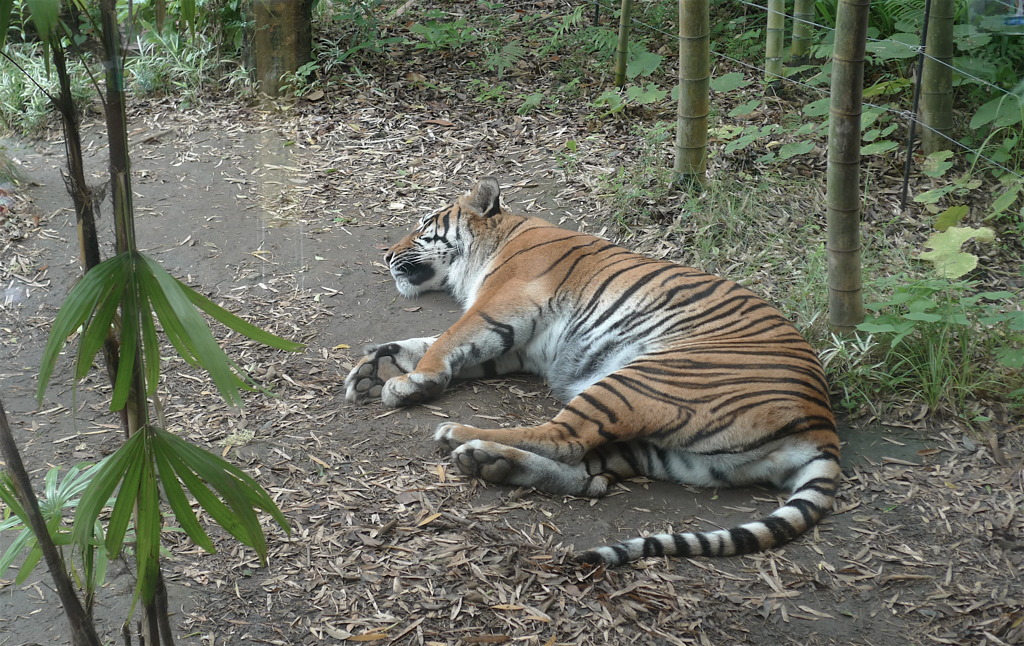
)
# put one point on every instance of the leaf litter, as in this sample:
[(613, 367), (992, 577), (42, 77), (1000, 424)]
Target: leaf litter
[(391, 545)]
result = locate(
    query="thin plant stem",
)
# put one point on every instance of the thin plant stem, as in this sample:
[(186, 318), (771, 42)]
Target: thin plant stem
[(83, 632)]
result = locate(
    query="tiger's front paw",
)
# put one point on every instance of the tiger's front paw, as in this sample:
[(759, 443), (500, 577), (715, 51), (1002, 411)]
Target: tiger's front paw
[(366, 381), (412, 388), (451, 435)]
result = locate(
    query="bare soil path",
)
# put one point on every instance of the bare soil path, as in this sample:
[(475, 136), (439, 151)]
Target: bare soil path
[(281, 217)]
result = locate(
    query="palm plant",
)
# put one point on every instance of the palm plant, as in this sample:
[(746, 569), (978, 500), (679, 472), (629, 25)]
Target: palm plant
[(116, 305)]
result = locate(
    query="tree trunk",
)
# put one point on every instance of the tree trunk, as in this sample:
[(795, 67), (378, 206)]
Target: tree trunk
[(694, 85), (937, 79), (774, 41), (845, 302), (803, 15), (283, 40)]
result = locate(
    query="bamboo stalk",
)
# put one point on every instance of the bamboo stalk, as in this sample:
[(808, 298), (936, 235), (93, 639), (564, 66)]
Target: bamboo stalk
[(845, 302), (937, 79), (155, 626), (81, 193), (773, 41), (803, 15), (694, 86), (622, 48)]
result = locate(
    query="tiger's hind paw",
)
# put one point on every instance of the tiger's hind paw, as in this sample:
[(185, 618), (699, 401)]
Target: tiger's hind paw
[(484, 460)]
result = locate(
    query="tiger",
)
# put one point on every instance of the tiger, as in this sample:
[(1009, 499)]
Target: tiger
[(665, 372)]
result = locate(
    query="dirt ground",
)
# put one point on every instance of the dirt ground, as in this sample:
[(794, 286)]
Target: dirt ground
[(282, 220)]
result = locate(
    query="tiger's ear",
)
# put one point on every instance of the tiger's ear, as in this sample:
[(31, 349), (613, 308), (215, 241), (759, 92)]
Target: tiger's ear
[(485, 197)]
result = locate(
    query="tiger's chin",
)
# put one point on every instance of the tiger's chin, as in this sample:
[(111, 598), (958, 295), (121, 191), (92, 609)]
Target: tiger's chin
[(411, 280), (406, 288), (413, 284)]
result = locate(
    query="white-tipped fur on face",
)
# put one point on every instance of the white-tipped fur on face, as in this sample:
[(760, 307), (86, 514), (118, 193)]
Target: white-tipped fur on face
[(422, 268), (422, 261)]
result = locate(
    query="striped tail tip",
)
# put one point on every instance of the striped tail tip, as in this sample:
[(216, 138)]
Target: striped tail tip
[(785, 524)]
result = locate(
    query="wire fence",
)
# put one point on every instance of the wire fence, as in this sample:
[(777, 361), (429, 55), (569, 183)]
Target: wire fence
[(916, 50), (904, 115)]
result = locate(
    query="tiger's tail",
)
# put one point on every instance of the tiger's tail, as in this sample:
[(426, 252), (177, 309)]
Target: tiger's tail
[(814, 490)]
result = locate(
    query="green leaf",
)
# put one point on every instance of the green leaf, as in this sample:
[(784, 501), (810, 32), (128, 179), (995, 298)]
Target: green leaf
[(878, 147), (98, 327), (45, 16), (31, 561), (1005, 110), (922, 304), (127, 357), (183, 513), (207, 465), (883, 88), (150, 345), (610, 99), (237, 324), (896, 46), (643, 63), (744, 109), (937, 163), (795, 148), (147, 526), (950, 261), (969, 37), (80, 302), (240, 493), (188, 13), (807, 128), (218, 511), (817, 108), (1006, 199), (998, 295), (127, 496), (150, 289), (177, 313), (9, 498), (1016, 320), (25, 540), (869, 116), (950, 217), (1012, 358), (728, 82), (876, 328), (6, 7), (645, 95), (927, 317), (106, 477), (934, 195)]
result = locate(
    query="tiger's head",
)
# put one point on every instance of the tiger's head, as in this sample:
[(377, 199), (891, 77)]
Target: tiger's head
[(438, 250)]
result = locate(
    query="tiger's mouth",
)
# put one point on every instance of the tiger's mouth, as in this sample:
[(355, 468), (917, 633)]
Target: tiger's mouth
[(411, 272)]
